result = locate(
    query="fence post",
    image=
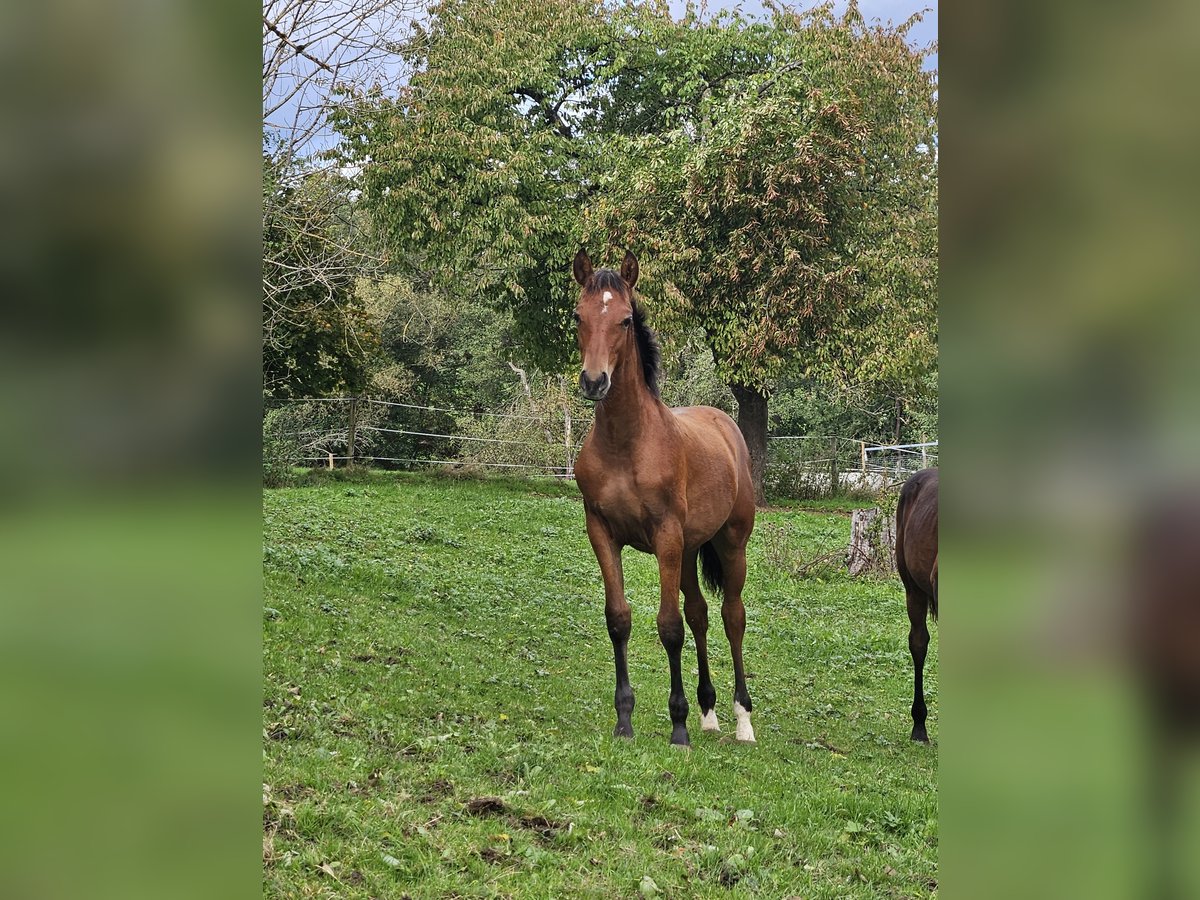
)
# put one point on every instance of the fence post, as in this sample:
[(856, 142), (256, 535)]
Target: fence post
[(567, 437), (924, 454), (352, 427), (863, 449)]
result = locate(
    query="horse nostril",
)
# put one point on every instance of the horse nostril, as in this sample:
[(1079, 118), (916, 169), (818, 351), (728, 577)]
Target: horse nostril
[(602, 381)]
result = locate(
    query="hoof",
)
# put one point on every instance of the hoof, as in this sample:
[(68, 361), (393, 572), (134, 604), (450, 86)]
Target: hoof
[(623, 731), (708, 721), (679, 738), (920, 736)]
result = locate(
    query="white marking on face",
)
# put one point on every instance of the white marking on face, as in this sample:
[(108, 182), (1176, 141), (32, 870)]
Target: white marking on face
[(745, 731), (708, 721), (606, 298)]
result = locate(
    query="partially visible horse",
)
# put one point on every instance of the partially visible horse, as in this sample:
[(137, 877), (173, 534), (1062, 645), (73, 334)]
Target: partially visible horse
[(671, 482), (917, 563)]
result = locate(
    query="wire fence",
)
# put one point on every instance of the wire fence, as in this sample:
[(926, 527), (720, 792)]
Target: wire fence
[(543, 440)]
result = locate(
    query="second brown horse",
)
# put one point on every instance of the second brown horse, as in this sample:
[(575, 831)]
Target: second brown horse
[(671, 482)]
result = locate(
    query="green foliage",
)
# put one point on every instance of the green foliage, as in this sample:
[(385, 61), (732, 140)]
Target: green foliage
[(690, 377), (435, 347), (478, 164), (876, 413), (788, 208), (278, 452), (316, 335), (776, 176), (429, 642)]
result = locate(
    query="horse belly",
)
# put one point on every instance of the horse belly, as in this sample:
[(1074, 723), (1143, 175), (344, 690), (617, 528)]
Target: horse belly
[(707, 512), (712, 491), (920, 548)]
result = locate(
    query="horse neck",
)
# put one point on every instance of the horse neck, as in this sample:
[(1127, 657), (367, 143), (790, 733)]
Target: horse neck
[(630, 412)]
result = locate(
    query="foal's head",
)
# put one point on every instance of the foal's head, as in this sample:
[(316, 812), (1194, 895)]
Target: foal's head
[(610, 325)]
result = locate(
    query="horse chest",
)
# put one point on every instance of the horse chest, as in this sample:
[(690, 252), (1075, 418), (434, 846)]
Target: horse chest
[(632, 507)]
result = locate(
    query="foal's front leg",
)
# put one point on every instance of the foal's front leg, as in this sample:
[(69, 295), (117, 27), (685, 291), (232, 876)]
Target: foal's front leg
[(617, 614), (669, 551)]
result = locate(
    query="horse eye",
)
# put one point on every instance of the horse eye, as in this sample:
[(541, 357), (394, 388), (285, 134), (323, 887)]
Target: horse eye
[(627, 321), (575, 316)]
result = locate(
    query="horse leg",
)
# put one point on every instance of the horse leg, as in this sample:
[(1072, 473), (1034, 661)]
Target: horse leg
[(617, 615), (695, 610), (733, 612), (669, 550), (918, 644)]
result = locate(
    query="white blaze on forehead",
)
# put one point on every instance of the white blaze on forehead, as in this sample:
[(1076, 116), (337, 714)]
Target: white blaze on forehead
[(606, 298)]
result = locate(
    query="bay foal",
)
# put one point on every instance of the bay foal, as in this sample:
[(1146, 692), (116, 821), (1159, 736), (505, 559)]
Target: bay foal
[(671, 482)]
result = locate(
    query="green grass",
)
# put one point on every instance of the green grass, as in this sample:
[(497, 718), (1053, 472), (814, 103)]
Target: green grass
[(430, 642)]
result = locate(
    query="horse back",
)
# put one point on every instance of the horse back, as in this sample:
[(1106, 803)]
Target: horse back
[(917, 533)]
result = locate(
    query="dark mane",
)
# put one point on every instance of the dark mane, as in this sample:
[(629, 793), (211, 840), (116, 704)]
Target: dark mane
[(647, 340), (647, 343)]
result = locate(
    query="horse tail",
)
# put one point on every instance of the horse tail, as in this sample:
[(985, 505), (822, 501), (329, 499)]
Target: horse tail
[(933, 579), (710, 568)]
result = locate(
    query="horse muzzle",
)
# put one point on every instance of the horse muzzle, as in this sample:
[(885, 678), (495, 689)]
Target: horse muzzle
[(594, 389)]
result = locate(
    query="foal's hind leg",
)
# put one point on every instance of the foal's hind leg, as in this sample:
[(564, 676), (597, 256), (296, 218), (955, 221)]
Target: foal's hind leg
[(918, 644), (733, 612), (695, 610)]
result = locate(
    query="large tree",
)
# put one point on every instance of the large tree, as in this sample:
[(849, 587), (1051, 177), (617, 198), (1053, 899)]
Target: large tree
[(777, 178), (787, 204)]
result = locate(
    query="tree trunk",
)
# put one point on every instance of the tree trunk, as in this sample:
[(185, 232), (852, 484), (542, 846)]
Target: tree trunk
[(872, 542), (752, 420)]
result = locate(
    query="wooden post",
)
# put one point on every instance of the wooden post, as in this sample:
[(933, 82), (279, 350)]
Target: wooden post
[(834, 476), (924, 455), (351, 429), (863, 448), (330, 452), (567, 437)]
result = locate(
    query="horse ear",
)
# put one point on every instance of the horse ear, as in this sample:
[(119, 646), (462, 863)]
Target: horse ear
[(629, 269), (582, 267)]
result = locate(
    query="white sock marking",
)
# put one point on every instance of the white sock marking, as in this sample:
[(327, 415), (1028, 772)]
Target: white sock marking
[(708, 721), (745, 731)]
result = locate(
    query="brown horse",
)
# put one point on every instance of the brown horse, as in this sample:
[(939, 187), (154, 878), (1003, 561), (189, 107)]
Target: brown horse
[(671, 482), (917, 563)]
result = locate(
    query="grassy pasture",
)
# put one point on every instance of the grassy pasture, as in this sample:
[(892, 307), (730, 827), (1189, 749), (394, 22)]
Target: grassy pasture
[(437, 711)]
